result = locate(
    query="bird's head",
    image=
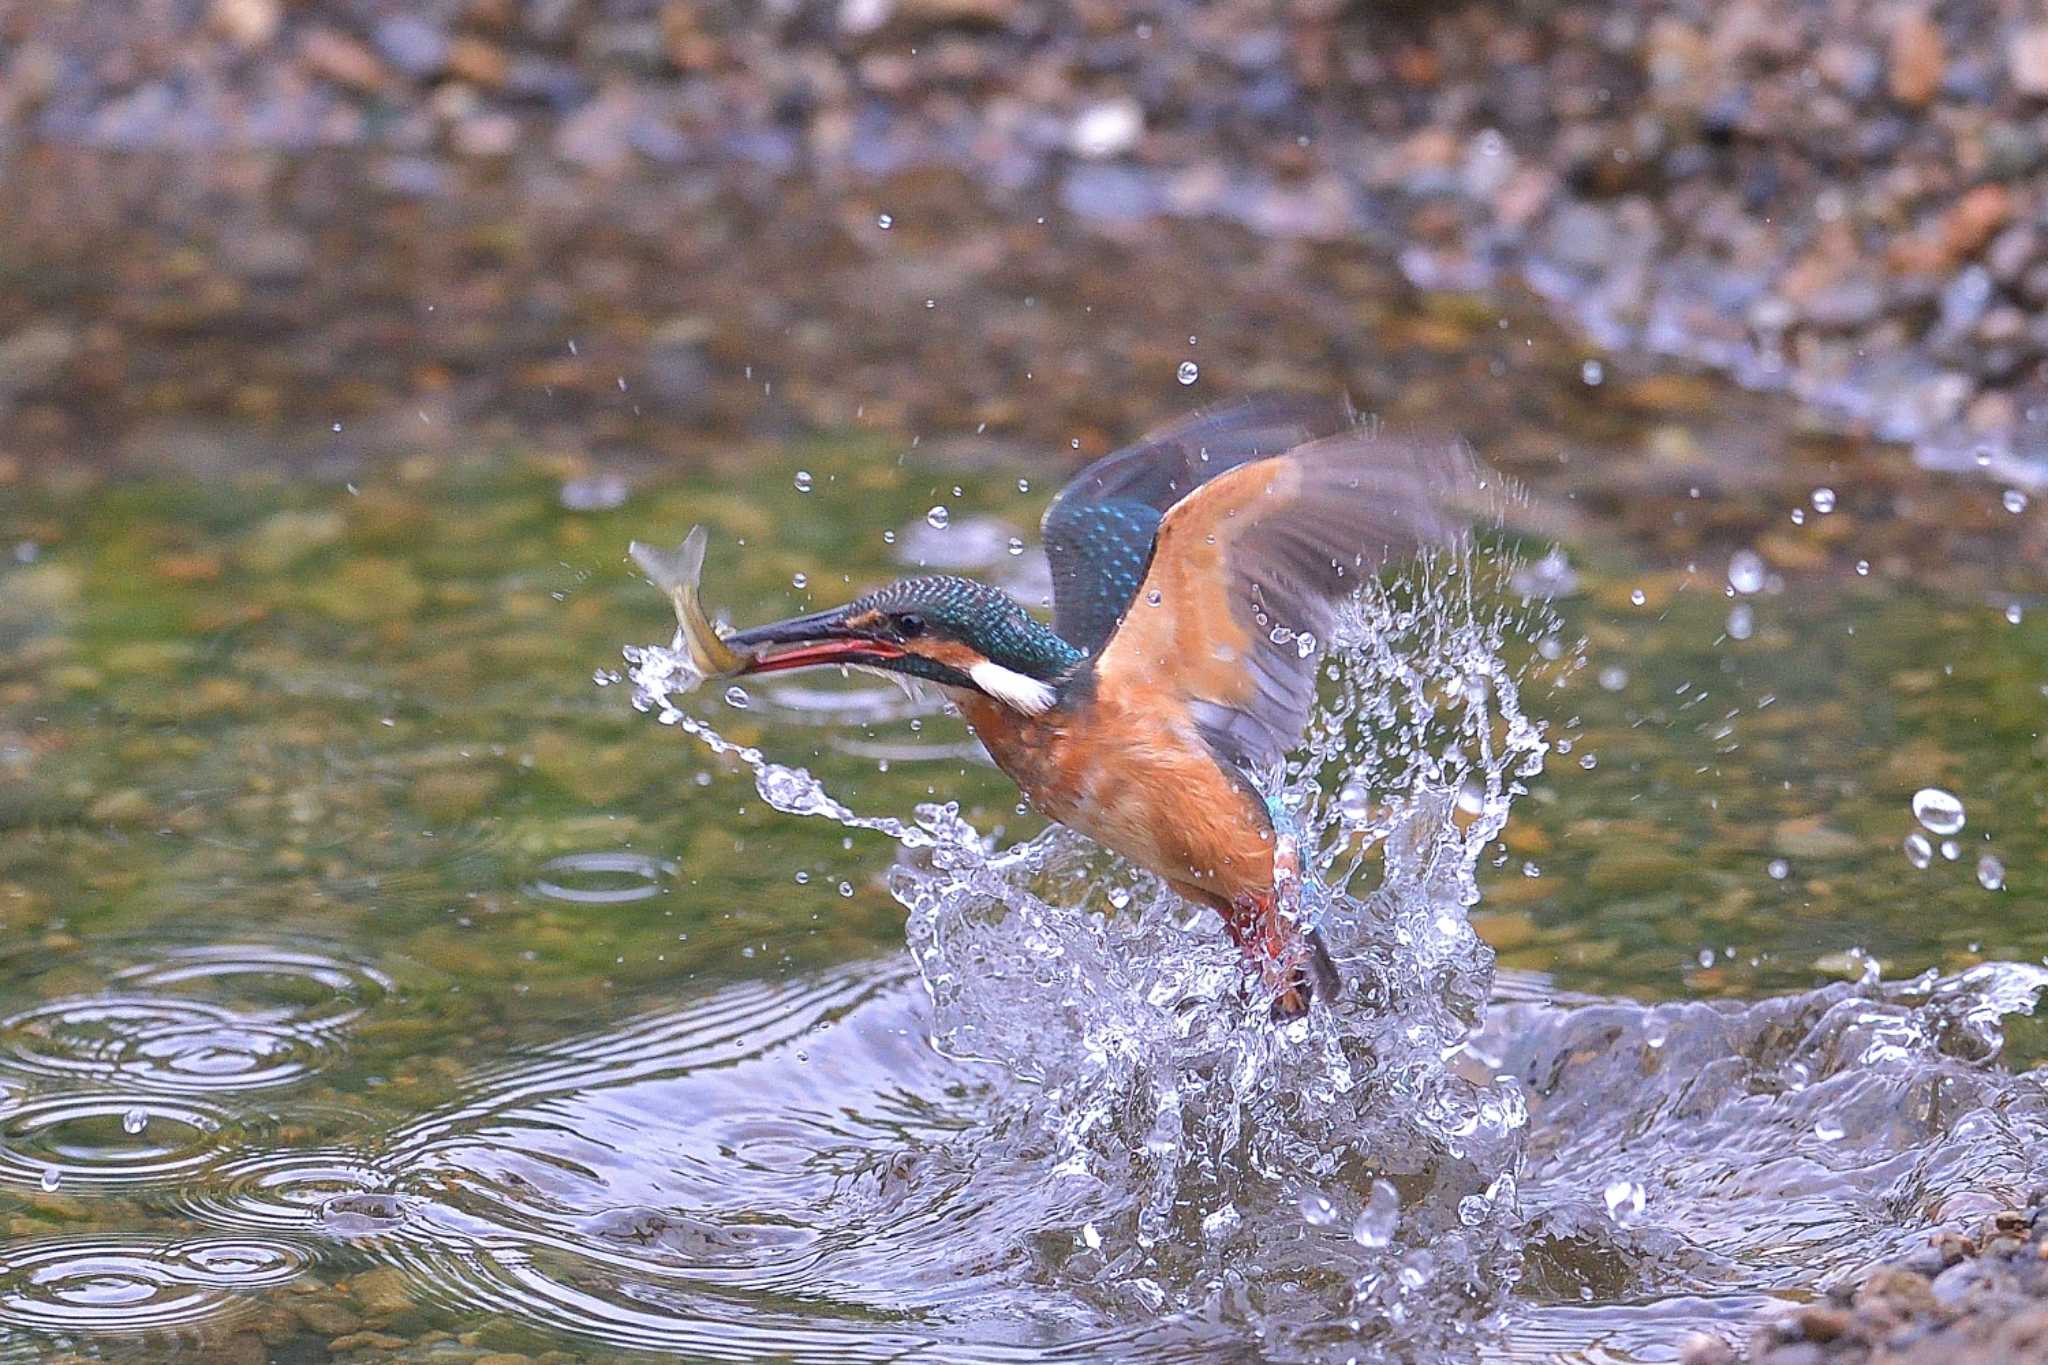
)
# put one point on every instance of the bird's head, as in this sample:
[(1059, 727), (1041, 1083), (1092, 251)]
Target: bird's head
[(940, 628)]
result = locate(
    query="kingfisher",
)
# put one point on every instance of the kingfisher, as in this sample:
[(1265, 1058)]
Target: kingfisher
[(1197, 575)]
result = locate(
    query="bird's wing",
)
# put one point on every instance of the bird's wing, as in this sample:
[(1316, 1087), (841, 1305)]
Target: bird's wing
[(1098, 531), (1237, 604)]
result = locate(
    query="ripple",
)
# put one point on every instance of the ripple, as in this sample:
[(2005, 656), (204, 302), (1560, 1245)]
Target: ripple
[(612, 878), (105, 1140), (219, 1017), (106, 1285), (267, 985), (296, 1192)]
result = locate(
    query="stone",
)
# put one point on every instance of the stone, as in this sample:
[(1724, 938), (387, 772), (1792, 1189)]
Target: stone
[(337, 57), (414, 45), (1918, 59), (2026, 61), (248, 24)]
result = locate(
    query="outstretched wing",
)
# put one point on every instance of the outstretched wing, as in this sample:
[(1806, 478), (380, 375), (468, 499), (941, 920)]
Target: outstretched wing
[(1237, 605), (1098, 531)]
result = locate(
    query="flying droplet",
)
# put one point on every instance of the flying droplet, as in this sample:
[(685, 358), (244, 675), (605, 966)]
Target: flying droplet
[(1779, 869), (1745, 571), (134, 1121), (1940, 811), (1016, 546), (938, 518), (1375, 1224), (1863, 568), (2014, 500), (846, 890), (1188, 372), (1613, 678), (2013, 613), (1624, 1200), (1593, 372), (1317, 1210), (803, 481), (1919, 849), (736, 697), (1828, 1129), (1990, 873), (1823, 500), (885, 222), (799, 581), (1741, 621), (51, 1179)]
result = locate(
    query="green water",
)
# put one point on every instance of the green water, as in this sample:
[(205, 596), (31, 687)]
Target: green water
[(345, 744)]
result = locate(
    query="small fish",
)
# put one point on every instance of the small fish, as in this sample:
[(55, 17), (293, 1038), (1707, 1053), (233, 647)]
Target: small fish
[(676, 573)]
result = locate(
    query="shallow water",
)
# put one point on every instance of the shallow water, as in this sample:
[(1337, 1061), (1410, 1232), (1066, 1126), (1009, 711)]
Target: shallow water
[(370, 969)]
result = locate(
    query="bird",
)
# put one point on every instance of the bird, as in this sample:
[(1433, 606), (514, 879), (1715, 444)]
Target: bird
[(1197, 577)]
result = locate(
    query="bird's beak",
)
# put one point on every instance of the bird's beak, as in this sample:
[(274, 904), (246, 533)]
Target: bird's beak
[(823, 637)]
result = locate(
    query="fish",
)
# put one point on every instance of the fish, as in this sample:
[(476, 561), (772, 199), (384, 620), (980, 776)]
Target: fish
[(676, 572)]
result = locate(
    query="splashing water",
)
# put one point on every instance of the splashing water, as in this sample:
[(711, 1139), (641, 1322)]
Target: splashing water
[(1187, 1135), (1133, 1152)]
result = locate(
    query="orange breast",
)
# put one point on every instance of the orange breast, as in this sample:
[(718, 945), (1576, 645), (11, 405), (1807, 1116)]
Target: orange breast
[(1129, 774)]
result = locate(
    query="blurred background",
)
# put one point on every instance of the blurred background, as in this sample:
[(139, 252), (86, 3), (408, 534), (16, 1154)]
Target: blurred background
[(230, 224)]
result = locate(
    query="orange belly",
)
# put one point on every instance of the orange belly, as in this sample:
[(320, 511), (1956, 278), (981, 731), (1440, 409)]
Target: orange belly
[(1132, 778)]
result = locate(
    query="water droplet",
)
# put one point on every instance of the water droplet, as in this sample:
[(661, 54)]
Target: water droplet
[(1919, 849), (1152, 598), (1741, 621), (1779, 869), (1990, 873), (803, 481), (1823, 500), (1745, 571), (1119, 897), (337, 426), (1023, 485), (1375, 1224), (1613, 678), (134, 1121), (2014, 500), (1940, 811), (1624, 1200), (799, 581), (938, 518), (1593, 372), (51, 1179), (1828, 1129), (846, 890), (1799, 516), (1090, 1237), (1951, 850), (1863, 568), (1638, 597), (736, 697), (888, 537), (1531, 870), (2013, 614), (1188, 372), (1317, 1210), (1015, 546), (885, 222), (1588, 762)]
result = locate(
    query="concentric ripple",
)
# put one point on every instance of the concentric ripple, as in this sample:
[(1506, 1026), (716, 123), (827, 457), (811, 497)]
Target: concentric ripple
[(609, 878), (107, 1285), (290, 1192), (102, 1140), (228, 1017)]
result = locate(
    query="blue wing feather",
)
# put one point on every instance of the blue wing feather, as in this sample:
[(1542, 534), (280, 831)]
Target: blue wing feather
[(1099, 530)]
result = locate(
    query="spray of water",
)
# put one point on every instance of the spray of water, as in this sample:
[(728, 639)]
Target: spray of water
[(1334, 1179)]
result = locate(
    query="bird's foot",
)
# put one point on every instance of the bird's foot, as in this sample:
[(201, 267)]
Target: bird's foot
[(1294, 965)]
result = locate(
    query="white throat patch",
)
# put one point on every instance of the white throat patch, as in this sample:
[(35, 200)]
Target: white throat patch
[(1011, 688)]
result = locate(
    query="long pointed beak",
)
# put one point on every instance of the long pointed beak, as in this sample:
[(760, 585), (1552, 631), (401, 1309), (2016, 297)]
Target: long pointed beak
[(822, 637)]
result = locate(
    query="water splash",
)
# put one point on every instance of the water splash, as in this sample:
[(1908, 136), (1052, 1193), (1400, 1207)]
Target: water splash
[(1183, 1133)]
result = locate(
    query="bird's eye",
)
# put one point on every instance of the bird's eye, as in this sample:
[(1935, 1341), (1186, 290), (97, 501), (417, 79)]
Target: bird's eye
[(909, 624)]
